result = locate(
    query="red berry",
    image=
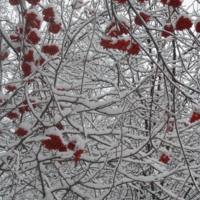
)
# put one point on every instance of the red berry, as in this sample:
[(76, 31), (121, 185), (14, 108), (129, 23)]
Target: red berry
[(144, 16), (183, 23)]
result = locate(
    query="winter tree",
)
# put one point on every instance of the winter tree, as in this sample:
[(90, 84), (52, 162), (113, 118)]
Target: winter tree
[(100, 99)]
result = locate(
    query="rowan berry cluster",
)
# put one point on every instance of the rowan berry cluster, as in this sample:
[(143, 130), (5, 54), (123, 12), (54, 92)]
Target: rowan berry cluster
[(33, 37), (197, 25), (29, 56), (144, 16), (183, 23), (195, 117), (13, 115), (10, 88), (33, 2), (77, 155), (123, 45), (142, 1), (55, 24), (3, 56), (172, 3), (55, 143), (39, 62), (164, 158), (59, 126), (21, 132), (120, 1), (26, 108), (14, 2), (32, 21), (115, 30), (50, 49), (15, 38), (168, 28), (26, 68)]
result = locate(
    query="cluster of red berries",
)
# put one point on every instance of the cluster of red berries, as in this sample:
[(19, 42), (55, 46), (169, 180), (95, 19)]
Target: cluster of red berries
[(195, 116), (134, 49), (119, 44), (50, 49), (142, 1), (120, 1), (39, 62), (49, 16), (59, 126), (164, 158), (10, 88), (169, 128), (55, 27), (144, 16), (197, 25), (26, 108), (21, 132), (183, 23), (168, 28), (3, 56), (55, 143), (118, 29), (122, 45), (29, 57), (31, 21), (61, 89), (173, 3), (15, 38), (14, 2), (33, 37), (26, 68), (77, 155), (33, 2), (13, 115)]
